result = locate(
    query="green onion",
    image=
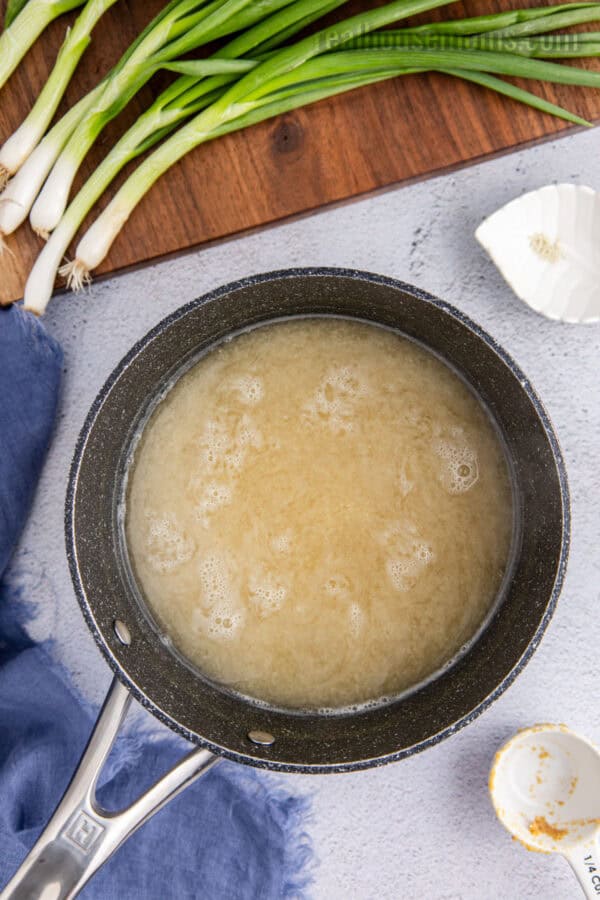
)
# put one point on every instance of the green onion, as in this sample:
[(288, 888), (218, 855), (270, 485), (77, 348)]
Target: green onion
[(44, 158), (181, 100), (96, 243), (559, 46), (40, 283), (187, 25), (18, 147), (235, 103), (202, 68), (567, 46), (516, 93), (471, 60), (23, 25), (328, 38), (535, 20), (19, 195), (572, 15)]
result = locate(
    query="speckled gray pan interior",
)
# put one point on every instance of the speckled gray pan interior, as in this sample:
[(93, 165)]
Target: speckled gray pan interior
[(218, 719)]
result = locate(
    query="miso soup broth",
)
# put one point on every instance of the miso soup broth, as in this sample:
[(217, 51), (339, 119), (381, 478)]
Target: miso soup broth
[(319, 513)]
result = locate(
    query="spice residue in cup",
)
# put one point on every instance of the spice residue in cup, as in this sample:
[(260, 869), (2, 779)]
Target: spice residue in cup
[(540, 826), (574, 781)]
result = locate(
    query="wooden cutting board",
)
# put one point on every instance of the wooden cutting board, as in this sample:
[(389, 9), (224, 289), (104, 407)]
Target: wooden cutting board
[(363, 141)]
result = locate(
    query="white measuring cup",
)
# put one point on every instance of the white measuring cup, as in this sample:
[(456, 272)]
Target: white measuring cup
[(545, 787)]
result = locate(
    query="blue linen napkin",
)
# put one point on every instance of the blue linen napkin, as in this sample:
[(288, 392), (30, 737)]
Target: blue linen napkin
[(30, 370), (236, 834)]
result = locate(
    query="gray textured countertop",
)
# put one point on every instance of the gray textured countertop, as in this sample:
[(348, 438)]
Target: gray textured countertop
[(423, 827)]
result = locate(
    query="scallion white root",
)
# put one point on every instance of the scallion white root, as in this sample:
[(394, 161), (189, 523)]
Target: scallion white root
[(75, 275), (20, 193)]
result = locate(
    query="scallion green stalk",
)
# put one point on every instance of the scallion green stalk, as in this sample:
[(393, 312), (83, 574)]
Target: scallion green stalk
[(558, 18), (18, 147), (323, 41), (536, 20), (559, 46), (484, 79), (471, 60), (23, 31)]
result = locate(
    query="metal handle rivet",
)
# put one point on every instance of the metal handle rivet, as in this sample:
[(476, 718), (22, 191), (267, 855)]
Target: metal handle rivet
[(122, 632), (261, 737)]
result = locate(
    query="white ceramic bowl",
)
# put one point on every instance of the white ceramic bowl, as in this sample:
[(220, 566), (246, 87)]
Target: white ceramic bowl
[(546, 244)]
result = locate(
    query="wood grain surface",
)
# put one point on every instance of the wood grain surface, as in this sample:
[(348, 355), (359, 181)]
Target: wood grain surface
[(406, 129)]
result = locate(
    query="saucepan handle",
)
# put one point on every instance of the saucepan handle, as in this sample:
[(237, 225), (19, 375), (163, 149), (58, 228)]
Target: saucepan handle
[(81, 836)]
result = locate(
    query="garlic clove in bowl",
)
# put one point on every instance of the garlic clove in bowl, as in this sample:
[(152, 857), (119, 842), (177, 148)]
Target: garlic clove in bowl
[(546, 244)]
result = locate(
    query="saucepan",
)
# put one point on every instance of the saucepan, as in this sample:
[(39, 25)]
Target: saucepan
[(81, 835)]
